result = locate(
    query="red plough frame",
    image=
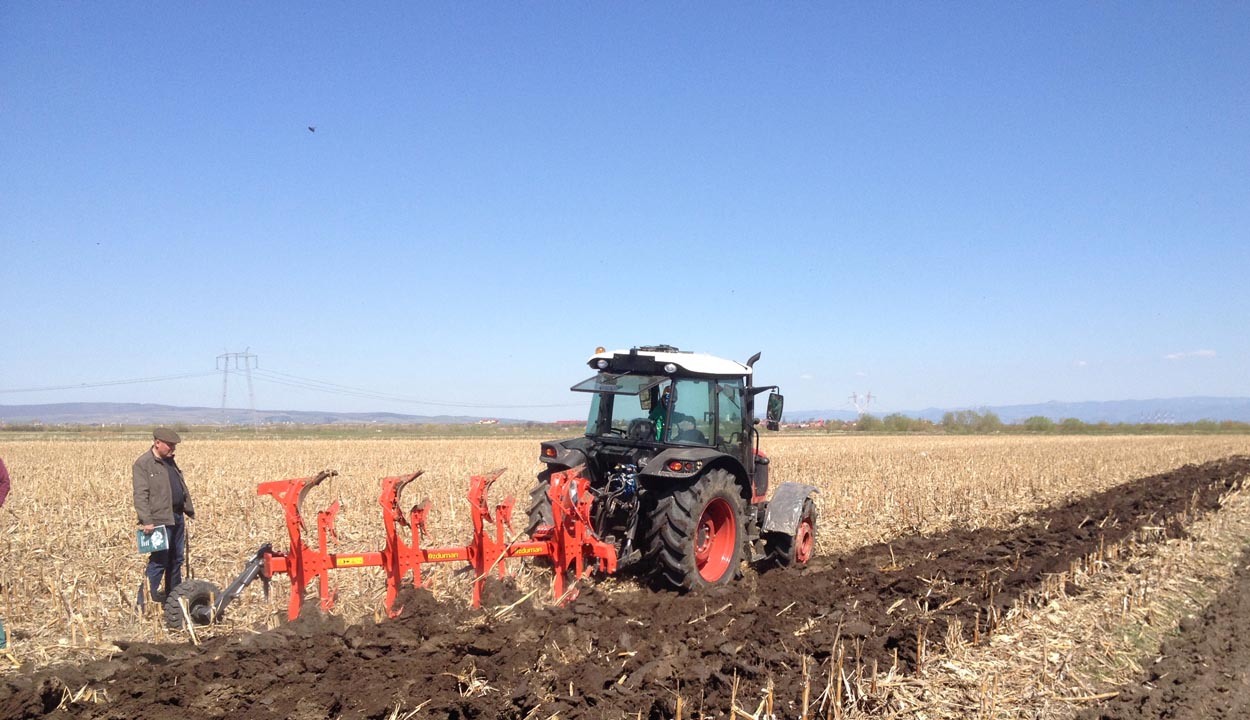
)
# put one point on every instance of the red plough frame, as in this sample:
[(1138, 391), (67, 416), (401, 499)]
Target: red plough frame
[(569, 541)]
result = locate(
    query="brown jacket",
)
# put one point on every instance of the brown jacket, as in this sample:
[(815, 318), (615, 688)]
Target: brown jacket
[(154, 503)]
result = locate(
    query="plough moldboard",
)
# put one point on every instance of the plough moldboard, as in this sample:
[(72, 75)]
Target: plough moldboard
[(568, 541)]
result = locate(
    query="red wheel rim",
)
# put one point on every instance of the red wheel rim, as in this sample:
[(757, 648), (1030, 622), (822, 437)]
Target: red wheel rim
[(804, 541), (714, 540)]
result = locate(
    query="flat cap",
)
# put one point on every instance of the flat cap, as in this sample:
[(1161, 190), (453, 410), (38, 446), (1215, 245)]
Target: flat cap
[(166, 435)]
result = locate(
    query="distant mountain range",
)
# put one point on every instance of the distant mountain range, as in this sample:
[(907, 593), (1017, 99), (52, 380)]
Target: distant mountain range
[(1167, 410), (1170, 410), (145, 414)]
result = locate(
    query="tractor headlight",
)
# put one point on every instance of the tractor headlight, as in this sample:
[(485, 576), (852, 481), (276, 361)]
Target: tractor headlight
[(602, 364), (670, 368)]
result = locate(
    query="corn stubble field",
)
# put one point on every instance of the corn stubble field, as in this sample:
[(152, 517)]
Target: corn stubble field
[(70, 570)]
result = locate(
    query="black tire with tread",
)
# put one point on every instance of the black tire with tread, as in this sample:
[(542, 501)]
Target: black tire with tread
[(539, 510), (200, 595), (780, 547), (673, 523)]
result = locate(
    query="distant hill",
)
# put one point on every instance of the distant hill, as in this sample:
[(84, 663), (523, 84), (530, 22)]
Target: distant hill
[(1168, 410), (146, 414), (1171, 410)]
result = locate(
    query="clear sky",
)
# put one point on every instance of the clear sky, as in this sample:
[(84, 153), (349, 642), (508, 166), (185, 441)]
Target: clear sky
[(943, 204)]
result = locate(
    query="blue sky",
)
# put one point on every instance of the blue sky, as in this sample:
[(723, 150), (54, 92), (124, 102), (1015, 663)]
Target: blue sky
[(944, 204)]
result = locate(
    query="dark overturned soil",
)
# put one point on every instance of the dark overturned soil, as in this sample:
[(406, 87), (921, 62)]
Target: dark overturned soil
[(617, 654), (1204, 674)]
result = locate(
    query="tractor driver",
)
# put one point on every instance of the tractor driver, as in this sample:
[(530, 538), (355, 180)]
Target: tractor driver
[(659, 411)]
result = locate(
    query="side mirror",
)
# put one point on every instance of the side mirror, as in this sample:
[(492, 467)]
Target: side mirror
[(772, 416)]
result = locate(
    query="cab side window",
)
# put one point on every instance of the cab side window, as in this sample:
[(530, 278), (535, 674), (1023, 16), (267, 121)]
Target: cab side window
[(691, 422), (729, 417)]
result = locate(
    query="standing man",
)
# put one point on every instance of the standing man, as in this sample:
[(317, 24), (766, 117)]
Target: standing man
[(161, 498)]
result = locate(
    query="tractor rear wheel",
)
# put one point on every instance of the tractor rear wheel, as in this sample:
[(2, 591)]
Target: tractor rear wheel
[(786, 550), (539, 510), (696, 533), (199, 596)]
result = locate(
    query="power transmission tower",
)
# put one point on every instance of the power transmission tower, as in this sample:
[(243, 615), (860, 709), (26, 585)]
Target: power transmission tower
[(245, 361), (861, 402)]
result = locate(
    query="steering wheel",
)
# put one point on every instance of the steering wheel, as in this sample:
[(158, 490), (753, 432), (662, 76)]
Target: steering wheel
[(640, 429)]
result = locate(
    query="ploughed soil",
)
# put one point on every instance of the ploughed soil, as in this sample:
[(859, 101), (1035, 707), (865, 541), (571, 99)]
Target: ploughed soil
[(1204, 673), (631, 653)]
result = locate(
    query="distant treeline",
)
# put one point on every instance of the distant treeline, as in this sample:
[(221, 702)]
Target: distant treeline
[(970, 422), (963, 422)]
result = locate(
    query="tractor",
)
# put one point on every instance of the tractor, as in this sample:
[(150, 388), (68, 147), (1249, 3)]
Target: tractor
[(671, 453)]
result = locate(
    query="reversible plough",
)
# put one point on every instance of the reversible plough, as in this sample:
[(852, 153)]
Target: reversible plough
[(569, 542)]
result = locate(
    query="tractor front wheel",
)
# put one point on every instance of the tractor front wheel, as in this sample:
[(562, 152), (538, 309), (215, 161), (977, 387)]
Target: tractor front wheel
[(786, 550), (697, 532)]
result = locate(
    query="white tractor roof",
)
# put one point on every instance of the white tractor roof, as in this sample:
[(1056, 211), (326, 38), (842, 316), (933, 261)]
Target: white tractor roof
[(689, 361)]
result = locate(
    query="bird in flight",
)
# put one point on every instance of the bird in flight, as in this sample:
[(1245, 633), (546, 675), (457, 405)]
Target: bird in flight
[(312, 128)]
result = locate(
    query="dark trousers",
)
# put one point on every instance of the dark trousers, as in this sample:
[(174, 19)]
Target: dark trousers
[(166, 565)]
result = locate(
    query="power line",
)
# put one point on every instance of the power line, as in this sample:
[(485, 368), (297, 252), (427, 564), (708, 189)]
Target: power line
[(106, 383), (287, 379), (295, 381)]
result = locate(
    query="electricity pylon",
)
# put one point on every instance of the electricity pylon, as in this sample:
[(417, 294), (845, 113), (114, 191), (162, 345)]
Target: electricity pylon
[(861, 402), (245, 361)]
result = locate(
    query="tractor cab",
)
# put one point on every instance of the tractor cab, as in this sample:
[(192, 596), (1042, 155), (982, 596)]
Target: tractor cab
[(659, 395)]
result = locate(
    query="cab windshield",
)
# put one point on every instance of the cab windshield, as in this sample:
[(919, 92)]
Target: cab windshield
[(655, 408), (619, 384), (624, 405)]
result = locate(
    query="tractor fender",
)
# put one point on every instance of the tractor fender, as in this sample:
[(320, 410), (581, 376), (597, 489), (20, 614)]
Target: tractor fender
[(705, 459), (786, 508), (562, 453)]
